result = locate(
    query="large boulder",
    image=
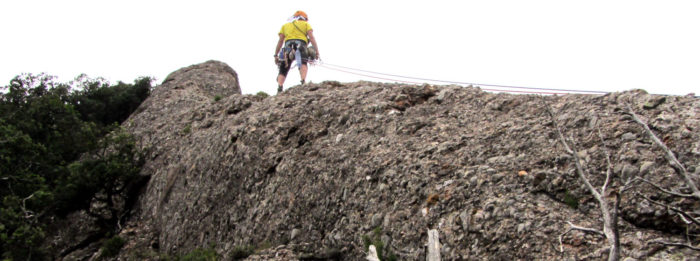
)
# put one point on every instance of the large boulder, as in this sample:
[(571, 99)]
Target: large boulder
[(322, 170)]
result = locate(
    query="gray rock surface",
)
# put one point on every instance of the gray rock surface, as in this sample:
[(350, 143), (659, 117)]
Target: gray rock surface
[(308, 172)]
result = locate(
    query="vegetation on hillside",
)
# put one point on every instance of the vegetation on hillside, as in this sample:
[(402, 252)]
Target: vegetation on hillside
[(61, 148)]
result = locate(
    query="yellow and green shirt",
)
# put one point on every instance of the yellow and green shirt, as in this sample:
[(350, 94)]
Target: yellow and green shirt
[(291, 32)]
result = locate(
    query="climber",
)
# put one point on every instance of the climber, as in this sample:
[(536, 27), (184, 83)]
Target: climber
[(295, 35)]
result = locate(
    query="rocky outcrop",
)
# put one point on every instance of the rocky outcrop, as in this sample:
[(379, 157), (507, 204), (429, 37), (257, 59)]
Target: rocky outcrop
[(318, 171)]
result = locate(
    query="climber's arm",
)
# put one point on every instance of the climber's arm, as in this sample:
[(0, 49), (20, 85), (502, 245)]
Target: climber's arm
[(312, 39), (279, 44)]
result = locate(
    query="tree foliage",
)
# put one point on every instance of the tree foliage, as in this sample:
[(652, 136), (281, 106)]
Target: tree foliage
[(99, 102), (61, 148)]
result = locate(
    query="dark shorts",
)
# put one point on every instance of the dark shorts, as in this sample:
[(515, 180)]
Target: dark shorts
[(286, 61)]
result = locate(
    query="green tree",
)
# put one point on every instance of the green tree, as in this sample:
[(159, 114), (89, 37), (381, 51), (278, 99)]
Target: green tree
[(40, 108), (23, 194), (99, 102), (111, 170), (45, 128)]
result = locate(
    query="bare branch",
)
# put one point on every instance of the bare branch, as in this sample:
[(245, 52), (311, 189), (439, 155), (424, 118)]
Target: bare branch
[(608, 178), (675, 209), (575, 227), (561, 244), (667, 191), (608, 171), (675, 244), (610, 230), (628, 184), (585, 229), (685, 220), (27, 213), (573, 153), (672, 160)]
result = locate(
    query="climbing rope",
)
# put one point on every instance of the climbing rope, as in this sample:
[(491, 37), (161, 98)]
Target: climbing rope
[(495, 87)]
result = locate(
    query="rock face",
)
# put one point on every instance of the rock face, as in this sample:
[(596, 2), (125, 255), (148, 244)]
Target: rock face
[(316, 171)]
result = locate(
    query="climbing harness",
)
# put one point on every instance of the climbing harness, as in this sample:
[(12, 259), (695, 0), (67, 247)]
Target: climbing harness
[(291, 52)]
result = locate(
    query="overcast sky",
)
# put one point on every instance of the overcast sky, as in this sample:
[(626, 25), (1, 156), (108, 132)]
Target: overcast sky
[(586, 45)]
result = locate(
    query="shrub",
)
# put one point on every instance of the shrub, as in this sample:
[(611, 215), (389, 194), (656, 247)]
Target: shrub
[(571, 200), (112, 246), (241, 252), (262, 94), (201, 254)]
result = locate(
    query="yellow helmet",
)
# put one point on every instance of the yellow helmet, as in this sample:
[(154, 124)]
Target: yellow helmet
[(302, 14)]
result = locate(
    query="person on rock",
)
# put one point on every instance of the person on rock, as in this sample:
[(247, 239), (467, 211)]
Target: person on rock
[(295, 35)]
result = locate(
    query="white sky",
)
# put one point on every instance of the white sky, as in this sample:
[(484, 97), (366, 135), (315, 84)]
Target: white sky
[(598, 45)]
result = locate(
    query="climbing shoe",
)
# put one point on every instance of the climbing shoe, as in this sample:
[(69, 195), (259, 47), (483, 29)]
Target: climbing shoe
[(279, 88)]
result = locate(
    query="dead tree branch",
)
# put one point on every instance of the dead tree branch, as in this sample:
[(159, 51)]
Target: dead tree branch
[(585, 229), (675, 209), (609, 217), (667, 191), (670, 157), (608, 171), (28, 214), (575, 227), (675, 244)]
